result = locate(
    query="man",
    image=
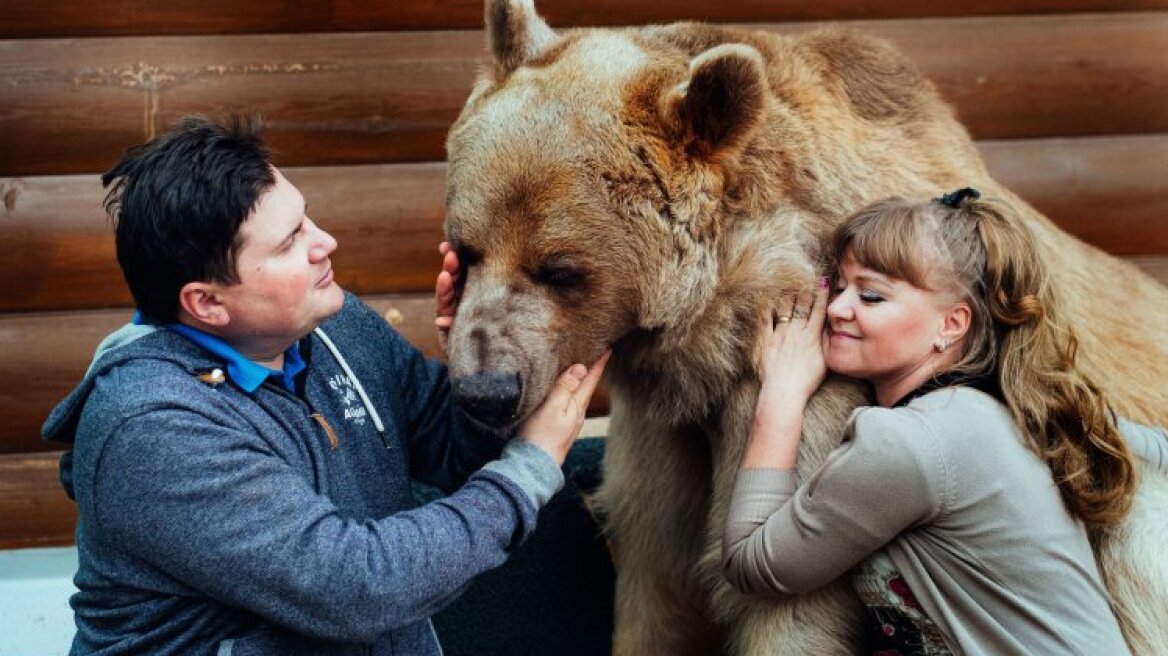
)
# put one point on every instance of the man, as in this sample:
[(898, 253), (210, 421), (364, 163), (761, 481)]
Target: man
[(242, 453)]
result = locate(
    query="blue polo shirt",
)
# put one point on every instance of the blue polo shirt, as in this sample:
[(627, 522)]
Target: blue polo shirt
[(246, 374)]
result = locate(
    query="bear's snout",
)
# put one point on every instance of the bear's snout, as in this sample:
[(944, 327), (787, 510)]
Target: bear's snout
[(490, 398)]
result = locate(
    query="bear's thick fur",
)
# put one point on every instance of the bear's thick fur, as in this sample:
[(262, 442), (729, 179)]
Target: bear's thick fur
[(651, 188)]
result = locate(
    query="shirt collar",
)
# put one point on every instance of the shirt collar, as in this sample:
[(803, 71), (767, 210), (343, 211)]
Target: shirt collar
[(246, 374), (987, 383)]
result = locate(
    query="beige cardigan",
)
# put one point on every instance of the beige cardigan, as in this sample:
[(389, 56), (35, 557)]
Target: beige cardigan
[(968, 515)]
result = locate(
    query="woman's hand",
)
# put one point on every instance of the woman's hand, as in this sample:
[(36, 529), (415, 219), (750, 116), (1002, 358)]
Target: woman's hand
[(791, 363), (446, 292), (556, 423), (791, 366)]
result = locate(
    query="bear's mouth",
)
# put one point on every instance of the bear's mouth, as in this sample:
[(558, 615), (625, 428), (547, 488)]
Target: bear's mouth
[(502, 433)]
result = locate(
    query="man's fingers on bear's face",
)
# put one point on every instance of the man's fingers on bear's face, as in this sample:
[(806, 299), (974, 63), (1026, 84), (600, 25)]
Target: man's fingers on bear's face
[(592, 379), (576, 373), (569, 380), (445, 286), (450, 262)]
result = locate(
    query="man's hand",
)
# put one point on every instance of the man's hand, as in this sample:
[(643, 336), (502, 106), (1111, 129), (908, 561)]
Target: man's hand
[(556, 423), (446, 292)]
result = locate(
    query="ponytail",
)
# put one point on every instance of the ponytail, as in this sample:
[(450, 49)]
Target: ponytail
[(1063, 413)]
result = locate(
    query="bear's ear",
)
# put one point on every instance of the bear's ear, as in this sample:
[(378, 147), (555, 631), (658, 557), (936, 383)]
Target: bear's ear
[(516, 33), (717, 109)]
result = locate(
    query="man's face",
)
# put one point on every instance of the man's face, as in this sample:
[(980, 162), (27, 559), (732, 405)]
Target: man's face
[(286, 285)]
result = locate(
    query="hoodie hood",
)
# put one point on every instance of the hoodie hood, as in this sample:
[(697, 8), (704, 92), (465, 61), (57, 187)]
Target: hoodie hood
[(130, 342), (61, 425)]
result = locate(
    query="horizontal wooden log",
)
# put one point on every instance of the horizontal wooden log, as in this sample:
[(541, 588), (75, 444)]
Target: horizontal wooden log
[(73, 105), (71, 18), (45, 355), (56, 247), (34, 511), (1109, 192)]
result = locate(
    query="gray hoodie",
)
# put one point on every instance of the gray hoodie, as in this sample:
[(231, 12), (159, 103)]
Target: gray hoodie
[(217, 521)]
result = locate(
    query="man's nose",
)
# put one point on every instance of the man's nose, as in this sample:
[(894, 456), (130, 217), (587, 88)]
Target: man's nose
[(330, 243), (323, 243)]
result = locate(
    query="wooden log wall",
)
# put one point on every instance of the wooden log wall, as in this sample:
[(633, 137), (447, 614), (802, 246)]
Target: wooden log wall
[(1068, 100)]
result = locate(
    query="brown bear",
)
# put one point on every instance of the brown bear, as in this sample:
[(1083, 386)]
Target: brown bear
[(650, 189)]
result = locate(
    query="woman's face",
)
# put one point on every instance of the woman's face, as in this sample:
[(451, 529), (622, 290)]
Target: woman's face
[(886, 330)]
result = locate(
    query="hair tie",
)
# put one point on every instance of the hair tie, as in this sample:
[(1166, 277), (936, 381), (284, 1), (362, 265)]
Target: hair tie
[(954, 198)]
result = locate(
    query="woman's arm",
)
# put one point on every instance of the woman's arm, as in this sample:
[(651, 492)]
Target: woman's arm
[(784, 539)]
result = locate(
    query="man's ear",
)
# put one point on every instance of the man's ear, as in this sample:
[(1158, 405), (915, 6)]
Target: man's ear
[(715, 111), (203, 303), (515, 33)]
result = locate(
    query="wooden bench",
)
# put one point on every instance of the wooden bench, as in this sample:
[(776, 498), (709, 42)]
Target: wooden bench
[(1068, 100)]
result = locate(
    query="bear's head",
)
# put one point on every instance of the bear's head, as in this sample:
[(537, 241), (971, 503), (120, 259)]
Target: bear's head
[(585, 196)]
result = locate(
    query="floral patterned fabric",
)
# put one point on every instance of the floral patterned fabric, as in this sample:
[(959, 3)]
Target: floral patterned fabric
[(897, 625)]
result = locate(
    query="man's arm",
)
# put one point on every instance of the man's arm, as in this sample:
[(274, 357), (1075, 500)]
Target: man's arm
[(211, 507)]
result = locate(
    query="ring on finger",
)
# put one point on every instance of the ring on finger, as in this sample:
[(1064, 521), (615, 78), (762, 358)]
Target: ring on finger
[(784, 319)]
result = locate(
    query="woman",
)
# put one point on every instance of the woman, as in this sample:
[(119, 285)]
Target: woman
[(962, 504)]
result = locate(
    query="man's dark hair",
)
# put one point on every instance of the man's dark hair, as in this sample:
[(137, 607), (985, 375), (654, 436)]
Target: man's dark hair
[(178, 202)]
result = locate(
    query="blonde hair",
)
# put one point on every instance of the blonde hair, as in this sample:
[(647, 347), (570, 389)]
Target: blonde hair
[(980, 251)]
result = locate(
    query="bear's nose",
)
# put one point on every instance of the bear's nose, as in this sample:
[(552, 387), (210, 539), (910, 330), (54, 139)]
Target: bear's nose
[(490, 398)]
